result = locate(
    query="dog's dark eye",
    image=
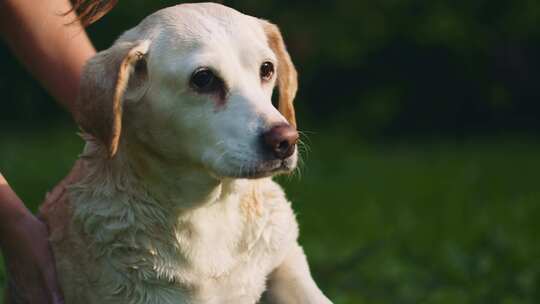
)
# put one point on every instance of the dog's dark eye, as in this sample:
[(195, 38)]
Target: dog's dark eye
[(204, 80), (267, 71)]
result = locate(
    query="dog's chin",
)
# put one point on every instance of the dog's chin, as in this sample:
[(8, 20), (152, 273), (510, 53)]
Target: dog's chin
[(259, 170)]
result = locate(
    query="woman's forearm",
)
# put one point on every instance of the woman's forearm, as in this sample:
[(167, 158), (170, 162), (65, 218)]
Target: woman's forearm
[(12, 210), (51, 46)]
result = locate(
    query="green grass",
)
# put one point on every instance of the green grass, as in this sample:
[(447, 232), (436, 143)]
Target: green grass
[(441, 222)]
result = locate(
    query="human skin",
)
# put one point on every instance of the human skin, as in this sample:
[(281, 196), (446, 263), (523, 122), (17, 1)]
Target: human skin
[(54, 49)]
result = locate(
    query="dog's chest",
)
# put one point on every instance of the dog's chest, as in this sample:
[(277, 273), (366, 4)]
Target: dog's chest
[(224, 256), (219, 254)]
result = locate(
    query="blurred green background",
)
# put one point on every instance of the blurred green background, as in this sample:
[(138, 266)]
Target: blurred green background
[(421, 175)]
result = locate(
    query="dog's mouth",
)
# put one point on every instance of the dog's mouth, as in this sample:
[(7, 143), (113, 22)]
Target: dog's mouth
[(262, 169), (280, 167), (250, 165)]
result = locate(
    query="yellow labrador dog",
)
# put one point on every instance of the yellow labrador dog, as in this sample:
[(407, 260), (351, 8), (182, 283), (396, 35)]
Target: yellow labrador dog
[(172, 199)]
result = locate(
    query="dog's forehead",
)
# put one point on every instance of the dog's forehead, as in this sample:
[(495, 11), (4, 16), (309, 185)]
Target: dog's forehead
[(204, 24)]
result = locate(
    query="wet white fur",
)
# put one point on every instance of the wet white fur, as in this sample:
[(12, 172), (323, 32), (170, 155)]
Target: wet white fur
[(170, 219)]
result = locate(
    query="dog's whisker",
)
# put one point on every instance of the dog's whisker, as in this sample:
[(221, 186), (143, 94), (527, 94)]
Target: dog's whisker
[(306, 132), (220, 143), (297, 172), (219, 159), (241, 168)]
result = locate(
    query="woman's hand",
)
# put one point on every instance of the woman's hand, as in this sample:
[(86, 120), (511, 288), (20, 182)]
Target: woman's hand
[(27, 254)]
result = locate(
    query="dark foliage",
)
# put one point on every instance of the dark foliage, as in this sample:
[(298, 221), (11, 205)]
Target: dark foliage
[(377, 67)]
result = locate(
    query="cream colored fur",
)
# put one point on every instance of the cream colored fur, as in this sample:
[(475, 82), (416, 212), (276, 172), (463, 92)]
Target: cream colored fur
[(171, 201)]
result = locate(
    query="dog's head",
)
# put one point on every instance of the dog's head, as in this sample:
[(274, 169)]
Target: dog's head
[(193, 83)]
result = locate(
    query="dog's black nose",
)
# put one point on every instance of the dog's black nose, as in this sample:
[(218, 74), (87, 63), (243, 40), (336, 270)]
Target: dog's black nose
[(280, 140)]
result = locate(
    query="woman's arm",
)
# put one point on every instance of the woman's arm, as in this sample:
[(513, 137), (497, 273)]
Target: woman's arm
[(27, 255), (54, 52), (11, 208), (47, 41)]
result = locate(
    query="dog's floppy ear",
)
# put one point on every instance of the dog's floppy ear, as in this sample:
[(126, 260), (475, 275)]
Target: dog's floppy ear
[(108, 78), (287, 78)]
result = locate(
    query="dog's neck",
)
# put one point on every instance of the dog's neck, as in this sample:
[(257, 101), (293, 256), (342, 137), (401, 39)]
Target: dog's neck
[(175, 185)]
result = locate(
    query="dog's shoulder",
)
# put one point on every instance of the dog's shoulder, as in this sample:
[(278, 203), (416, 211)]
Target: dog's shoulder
[(56, 209), (265, 204), (266, 197)]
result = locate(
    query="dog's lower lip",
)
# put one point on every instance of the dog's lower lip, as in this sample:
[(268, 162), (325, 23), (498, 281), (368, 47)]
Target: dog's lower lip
[(282, 165), (266, 171), (261, 170)]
